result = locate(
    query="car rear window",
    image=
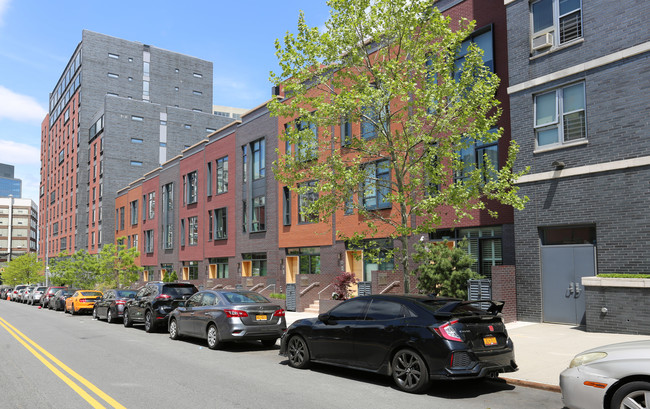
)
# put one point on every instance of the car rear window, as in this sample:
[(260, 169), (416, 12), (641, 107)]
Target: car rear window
[(41, 289), (126, 293), (245, 298), (179, 290), (91, 293)]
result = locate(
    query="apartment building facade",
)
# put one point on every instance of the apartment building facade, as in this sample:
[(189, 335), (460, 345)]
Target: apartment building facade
[(119, 109), (578, 97), (18, 218)]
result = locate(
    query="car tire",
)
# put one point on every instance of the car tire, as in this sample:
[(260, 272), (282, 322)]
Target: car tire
[(298, 352), (213, 337), (127, 319), (410, 373), (268, 343), (633, 392), (95, 314), (72, 311), (109, 316), (148, 322), (173, 329)]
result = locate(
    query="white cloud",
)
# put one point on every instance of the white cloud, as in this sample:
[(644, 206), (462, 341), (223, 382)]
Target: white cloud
[(4, 5), (16, 153), (19, 107)]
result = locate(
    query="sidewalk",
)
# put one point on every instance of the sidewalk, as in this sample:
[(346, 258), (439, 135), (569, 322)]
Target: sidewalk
[(542, 351)]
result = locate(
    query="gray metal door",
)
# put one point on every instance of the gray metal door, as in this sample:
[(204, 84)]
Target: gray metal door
[(365, 287), (291, 297), (562, 270), (480, 290)]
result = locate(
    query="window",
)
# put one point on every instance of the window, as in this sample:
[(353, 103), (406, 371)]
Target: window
[(137, 118), (305, 200), (135, 241), (197, 92), (148, 241), (257, 264), (182, 232), (259, 214), (191, 188), (346, 131), (145, 69), (152, 204), (473, 157), (111, 75), (134, 212), (286, 206), (376, 187), (483, 244), (373, 118), (210, 225), (482, 39), (244, 216), (382, 310), (221, 223), (308, 259), (192, 270), (377, 257), (210, 130), (307, 146), (198, 75), (187, 126), (136, 140), (258, 149), (244, 161), (122, 218), (222, 267), (560, 116), (349, 311), (193, 231), (168, 215), (133, 163), (208, 179), (222, 175), (555, 22), (115, 56)]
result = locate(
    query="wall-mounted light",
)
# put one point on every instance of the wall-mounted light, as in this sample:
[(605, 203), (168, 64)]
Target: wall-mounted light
[(558, 164)]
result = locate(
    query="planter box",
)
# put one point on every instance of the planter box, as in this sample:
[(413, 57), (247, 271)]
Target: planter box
[(616, 305)]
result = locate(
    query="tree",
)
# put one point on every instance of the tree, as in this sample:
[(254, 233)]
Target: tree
[(394, 68), (79, 269), (25, 269), (444, 270), (116, 266), (170, 277)]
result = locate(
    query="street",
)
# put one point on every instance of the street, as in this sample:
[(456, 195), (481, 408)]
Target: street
[(95, 364)]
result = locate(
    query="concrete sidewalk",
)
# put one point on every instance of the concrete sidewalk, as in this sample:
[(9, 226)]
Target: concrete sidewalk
[(542, 351)]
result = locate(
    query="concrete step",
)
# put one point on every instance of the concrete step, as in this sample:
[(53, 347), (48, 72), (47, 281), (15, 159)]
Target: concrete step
[(313, 307)]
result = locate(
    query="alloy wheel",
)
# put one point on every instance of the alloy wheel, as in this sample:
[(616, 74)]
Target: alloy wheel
[(298, 353), (409, 371)]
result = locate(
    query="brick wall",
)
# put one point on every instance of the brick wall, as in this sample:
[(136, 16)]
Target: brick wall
[(504, 288), (625, 313)]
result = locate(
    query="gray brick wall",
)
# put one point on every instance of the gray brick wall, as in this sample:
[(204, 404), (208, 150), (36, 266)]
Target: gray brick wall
[(625, 314)]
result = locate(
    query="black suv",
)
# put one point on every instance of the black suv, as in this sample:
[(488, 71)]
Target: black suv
[(153, 303)]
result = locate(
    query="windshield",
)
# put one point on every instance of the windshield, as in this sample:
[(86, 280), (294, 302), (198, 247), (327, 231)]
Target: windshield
[(245, 298)]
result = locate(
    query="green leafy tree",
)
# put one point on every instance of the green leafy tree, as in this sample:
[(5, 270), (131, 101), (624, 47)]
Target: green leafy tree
[(393, 67), (170, 277), (444, 270), (25, 269), (117, 267), (79, 269)]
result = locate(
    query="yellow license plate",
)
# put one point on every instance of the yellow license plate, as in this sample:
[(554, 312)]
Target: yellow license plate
[(489, 341), (260, 317)]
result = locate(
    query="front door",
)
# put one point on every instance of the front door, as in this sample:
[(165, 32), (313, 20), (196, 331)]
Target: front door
[(563, 267)]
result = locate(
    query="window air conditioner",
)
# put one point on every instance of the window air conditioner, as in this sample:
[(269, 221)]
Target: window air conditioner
[(543, 41)]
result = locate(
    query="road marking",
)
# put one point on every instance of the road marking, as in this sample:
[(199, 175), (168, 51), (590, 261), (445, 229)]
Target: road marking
[(92, 401)]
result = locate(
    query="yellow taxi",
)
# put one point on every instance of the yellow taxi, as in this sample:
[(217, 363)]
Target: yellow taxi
[(82, 300)]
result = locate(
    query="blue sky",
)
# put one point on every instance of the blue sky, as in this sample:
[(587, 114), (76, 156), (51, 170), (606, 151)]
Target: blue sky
[(38, 37)]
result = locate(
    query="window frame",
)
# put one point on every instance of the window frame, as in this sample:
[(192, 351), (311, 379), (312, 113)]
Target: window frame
[(556, 25), (220, 220), (559, 123), (379, 191)]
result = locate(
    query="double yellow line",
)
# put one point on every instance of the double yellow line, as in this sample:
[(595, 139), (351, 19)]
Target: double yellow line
[(32, 347)]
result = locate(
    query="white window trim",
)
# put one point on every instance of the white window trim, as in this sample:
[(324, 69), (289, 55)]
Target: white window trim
[(559, 114)]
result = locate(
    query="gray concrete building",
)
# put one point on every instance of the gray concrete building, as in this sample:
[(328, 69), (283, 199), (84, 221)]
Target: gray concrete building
[(120, 109), (579, 78), (17, 227)]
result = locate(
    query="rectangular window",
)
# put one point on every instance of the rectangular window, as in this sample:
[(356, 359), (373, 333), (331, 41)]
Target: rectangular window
[(137, 118), (192, 270), (134, 212), (193, 230), (133, 163), (258, 149), (305, 200), (259, 214), (136, 140), (197, 93), (244, 161), (308, 259), (168, 215), (208, 178), (191, 188), (377, 185), (115, 56), (210, 225), (152, 204), (148, 241), (482, 38), (560, 116), (198, 75), (221, 223), (346, 131), (182, 232), (222, 175), (222, 267), (286, 206), (244, 208), (122, 218), (145, 68), (111, 75), (555, 22), (257, 262), (307, 146), (474, 156), (135, 241)]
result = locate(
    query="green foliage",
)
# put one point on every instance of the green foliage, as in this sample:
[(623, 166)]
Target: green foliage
[(619, 275), (443, 270), (25, 269), (116, 266), (170, 277), (279, 296), (391, 65)]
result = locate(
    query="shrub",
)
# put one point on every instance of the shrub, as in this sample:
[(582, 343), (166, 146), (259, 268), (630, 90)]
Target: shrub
[(342, 284)]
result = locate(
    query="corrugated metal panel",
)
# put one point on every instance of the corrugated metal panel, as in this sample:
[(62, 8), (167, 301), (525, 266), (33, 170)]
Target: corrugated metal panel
[(291, 297), (480, 290)]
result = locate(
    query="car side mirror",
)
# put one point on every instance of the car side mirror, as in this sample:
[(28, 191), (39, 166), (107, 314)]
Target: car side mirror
[(325, 318)]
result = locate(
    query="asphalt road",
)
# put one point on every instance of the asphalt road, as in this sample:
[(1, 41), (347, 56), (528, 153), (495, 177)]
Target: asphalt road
[(86, 363)]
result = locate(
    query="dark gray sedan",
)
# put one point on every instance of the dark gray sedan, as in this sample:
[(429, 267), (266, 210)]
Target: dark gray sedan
[(223, 316)]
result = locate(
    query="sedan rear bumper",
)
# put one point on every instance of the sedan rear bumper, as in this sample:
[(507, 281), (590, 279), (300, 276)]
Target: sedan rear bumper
[(237, 331)]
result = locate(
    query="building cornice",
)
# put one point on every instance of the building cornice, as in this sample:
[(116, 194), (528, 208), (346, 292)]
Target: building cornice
[(585, 170)]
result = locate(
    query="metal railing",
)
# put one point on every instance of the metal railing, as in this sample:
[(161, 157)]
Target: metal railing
[(312, 285), (266, 288), (389, 287), (319, 293), (256, 286)]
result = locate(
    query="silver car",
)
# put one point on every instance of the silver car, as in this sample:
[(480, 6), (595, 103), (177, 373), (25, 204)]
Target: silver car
[(610, 377), (223, 316)]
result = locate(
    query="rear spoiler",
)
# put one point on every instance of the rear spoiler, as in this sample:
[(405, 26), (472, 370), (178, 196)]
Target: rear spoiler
[(495, 308)]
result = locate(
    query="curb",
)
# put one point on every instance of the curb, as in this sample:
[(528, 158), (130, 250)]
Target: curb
[(535, 385)]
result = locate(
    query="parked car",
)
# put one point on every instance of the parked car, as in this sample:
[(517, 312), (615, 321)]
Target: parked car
[(82, 300), (221, 316), (57, 301), (15, 295), (6, 292), (35, 295), (608, 377), (413, 338), (153, 303), (111, 305), (24, 296), (51, 290)]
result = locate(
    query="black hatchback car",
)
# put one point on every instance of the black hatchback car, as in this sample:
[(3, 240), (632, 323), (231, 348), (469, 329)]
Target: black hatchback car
[(153, 303), (413, 338)]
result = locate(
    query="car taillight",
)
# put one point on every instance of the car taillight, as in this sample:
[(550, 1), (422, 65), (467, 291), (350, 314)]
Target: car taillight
[(120, 302), (163, 297), (83, 300), (235, 313), (447, 331), (279, 313)]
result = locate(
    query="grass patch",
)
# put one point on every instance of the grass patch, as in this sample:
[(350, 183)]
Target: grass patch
[(612, 275), (278, 296)]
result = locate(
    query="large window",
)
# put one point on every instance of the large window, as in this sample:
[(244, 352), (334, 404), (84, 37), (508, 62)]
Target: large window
[(222, 175), (257, 263), (308, 259), (152, 204), (192, 269), (305, 200), (134, 212), (482, 39), (122, 218), (258, 149), (168, 215), (148, 241), (259, 214), (560, 116), (373, 118), (474, 156), (484, 244), (555, 22), (218, 267), (193, 231), (221, 223), (376, 187), (307, 146), (191, 187)]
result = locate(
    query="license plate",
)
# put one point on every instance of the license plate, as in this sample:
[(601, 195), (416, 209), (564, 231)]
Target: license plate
[(489, 341), (260, 317)]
